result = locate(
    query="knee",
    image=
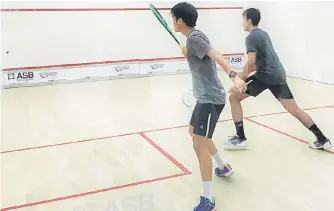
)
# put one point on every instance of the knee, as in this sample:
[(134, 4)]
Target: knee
[(295, 111), (292, 108), (198, 144), (234, 97)]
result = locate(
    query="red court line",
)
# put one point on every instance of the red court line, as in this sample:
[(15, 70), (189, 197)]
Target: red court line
[(134, 133), (67, 143), (283, 133), (92, 192), (168, 156), (320, 82), (151, 142), (71, 65), (105, 63), (285, 112), (105, 9)]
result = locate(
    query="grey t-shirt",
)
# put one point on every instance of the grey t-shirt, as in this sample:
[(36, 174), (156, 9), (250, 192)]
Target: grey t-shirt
[(268, 66), (207, 87)]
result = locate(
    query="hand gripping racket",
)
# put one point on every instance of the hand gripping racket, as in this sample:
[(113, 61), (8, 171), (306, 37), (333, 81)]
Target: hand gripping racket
[(164, 24)]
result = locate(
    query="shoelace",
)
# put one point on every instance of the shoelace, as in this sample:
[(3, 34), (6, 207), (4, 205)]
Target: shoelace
[(234, 140), (318, 144), (204, 203), (200, 205)]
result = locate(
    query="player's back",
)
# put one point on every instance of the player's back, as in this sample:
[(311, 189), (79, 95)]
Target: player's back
[(268, 66), (206, 84)]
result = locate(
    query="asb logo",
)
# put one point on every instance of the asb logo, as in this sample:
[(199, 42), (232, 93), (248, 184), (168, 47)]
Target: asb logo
[(25, 76), (21, 76), (233, 60), (11, 76)]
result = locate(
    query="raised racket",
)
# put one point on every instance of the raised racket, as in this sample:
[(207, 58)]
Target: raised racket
[(164, 24)]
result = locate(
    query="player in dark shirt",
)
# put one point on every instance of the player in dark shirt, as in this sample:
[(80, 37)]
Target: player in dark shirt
[(266, 72)]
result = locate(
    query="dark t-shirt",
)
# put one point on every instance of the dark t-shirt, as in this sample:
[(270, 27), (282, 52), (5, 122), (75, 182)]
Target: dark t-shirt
[(268, 66)]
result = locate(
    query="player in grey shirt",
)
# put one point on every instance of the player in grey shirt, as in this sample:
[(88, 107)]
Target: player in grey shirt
[(206, 84), (266, 72), (210, 96)]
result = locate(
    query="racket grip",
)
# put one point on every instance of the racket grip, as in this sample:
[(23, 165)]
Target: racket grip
[(183, 49)]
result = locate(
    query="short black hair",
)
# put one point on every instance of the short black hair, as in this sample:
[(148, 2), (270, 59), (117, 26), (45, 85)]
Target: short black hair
[(187, 12), (253, 14)]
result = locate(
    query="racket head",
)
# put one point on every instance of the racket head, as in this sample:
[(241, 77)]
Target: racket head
[(163, 22), (188, 99), (159, 17)]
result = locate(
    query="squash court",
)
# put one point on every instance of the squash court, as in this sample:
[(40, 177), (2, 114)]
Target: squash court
[(123, 145)]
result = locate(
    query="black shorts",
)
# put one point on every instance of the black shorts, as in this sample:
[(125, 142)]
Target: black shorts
[(256, 87), (205, 117)]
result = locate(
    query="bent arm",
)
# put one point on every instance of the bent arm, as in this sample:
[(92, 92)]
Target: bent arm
[(250, 65)]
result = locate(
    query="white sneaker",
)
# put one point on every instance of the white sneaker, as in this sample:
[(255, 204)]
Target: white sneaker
[(321, 145), (235, 142)]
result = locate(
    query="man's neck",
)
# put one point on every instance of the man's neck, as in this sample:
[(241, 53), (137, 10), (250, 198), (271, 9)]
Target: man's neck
[(252, 28), (186, 32)]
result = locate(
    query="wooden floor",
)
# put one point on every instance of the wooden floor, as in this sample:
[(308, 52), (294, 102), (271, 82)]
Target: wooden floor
[(111, 145)]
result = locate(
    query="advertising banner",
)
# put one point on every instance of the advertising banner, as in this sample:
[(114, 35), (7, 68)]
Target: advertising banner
[(236, 61), (160, 67), (28, 77), (68, 74)]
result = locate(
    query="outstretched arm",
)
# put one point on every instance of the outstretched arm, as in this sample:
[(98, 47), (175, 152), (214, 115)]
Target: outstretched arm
[(203, 48), (216, 56), (238, 82)]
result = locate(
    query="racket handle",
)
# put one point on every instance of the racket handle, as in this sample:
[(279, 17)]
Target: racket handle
[(183, 49)]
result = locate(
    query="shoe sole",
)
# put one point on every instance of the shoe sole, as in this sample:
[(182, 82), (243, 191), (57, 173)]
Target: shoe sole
[(225, 175), (233, 147), (229, 173), (323, 149)]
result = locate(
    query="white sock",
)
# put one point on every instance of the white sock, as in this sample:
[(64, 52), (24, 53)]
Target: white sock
[(218, 160), (207, 189)]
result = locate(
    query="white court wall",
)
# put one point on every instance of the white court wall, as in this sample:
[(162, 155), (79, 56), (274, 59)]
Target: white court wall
[(65, 37), (302, 34)]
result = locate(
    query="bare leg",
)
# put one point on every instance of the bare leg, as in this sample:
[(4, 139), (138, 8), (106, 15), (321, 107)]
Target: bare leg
[(291, 106), (212, 149), (201, 147), (239, 140), (236, 108)]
